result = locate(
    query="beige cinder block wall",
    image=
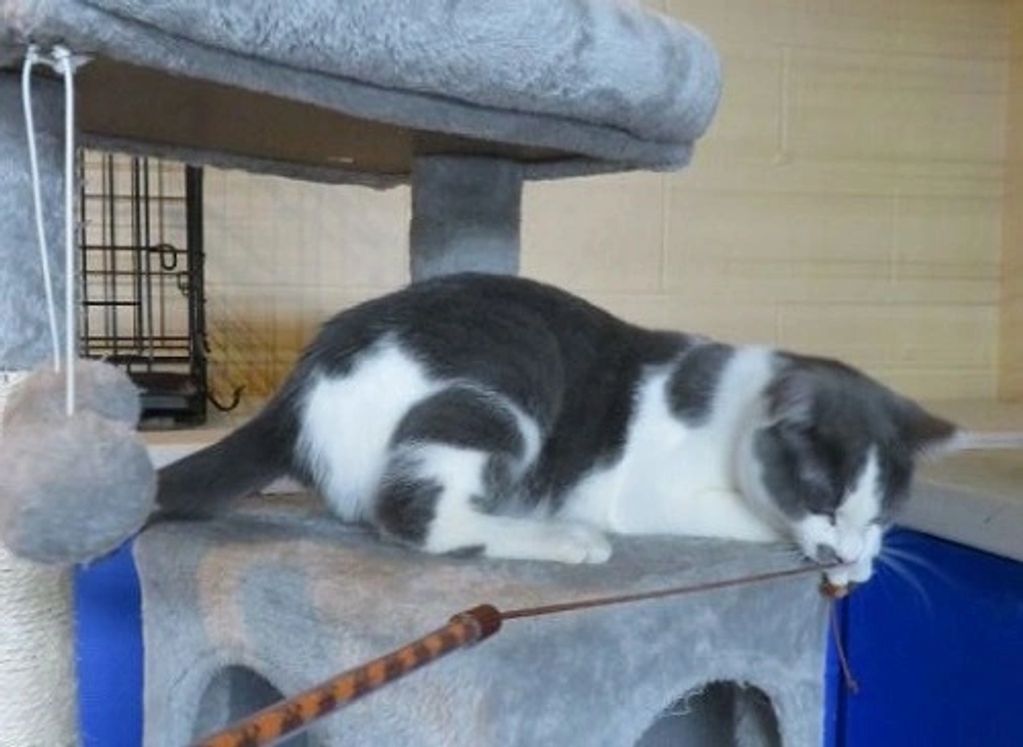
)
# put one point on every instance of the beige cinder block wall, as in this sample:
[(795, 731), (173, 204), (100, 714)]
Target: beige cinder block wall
[(281, 257), (847, 202), (1012, 287)]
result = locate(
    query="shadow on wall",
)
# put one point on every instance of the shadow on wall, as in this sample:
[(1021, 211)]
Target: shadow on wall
[(255, 349), (720, 714)]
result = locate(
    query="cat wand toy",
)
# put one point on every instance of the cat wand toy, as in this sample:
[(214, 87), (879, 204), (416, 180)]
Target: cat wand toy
[(292, 715)]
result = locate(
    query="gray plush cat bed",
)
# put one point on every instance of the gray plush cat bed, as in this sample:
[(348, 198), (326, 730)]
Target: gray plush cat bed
[(464, 100), (352, 91), (273, 601)]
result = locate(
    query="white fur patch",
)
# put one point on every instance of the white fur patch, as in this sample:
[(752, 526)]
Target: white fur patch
[(678, 479), (458, 524), (862, 504), (347, 423)]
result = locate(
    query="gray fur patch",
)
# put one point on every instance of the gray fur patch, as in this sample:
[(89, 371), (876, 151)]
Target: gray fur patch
[(406, 506), (464, 417), (692, 386)]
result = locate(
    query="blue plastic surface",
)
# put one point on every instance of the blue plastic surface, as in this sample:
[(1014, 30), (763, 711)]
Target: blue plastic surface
[(108, 631), (940, 665)]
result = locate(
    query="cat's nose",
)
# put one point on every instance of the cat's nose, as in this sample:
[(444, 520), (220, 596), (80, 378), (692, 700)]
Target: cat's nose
[(826, 554)]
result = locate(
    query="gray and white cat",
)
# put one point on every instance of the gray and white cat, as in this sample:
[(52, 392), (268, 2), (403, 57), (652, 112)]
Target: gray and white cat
[(503, 416)]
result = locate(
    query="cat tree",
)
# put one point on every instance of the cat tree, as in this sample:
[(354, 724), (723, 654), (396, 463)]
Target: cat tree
[(466, 101)]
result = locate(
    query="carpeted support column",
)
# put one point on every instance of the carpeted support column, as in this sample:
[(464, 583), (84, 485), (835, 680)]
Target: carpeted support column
[(465, 216)]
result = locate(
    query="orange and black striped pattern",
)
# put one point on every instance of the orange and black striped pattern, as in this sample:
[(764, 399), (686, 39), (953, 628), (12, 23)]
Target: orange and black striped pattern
[(294, 714)]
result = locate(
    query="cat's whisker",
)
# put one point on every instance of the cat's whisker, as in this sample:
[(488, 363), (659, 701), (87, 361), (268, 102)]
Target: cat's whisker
[(922, 563), (897, 538), (900, 552), (906, 575), (887, 588)]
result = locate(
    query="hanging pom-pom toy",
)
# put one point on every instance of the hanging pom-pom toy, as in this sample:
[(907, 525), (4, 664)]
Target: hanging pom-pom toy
[(73, 488), (75, 478)]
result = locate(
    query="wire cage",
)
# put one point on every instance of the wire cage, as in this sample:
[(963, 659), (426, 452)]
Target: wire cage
[(141, 233)]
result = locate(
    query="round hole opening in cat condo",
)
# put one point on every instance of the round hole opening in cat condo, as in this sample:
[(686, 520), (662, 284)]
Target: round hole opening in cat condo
[(716, 714), (233, 693)]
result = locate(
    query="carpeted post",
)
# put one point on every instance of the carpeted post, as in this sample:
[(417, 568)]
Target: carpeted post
[(465, 216)]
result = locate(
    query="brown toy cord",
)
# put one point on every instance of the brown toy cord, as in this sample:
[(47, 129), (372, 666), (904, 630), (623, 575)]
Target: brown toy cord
[(843, 660), (287, 717)]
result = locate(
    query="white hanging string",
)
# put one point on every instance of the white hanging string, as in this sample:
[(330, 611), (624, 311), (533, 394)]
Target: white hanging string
[(31, 58), (37, 680), (65, 64)]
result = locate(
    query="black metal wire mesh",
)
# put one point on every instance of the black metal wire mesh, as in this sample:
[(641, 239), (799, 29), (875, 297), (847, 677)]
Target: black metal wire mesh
[(142, 279)]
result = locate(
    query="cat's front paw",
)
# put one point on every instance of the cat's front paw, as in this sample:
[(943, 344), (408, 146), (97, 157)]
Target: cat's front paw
[(590, 545), (574, 544)]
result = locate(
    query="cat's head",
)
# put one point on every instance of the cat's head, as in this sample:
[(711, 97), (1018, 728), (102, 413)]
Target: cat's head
[(830, 458)]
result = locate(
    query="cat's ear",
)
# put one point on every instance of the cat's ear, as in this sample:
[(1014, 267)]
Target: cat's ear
[(926, 434)]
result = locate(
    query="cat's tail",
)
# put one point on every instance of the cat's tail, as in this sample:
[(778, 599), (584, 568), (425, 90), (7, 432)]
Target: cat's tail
[(246, 460)]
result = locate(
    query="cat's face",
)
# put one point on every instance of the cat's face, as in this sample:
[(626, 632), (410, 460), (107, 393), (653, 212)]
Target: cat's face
[(832, 459)]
